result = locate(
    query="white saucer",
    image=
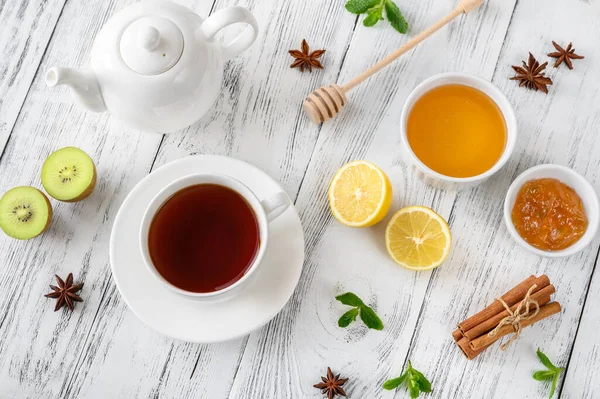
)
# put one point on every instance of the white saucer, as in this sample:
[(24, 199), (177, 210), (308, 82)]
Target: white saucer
[(197, 321)]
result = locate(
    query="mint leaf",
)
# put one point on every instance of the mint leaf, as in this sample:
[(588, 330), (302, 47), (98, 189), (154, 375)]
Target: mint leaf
[(348, 318), (545, 361), (394, 382), (544, 375), (554, 382), (394, 15), (413, 389), (370, 318), (349, 299), (552, 373), (361, 6), (424, 384), (374, 16), (374, 10), (415, 381), (367, 315)]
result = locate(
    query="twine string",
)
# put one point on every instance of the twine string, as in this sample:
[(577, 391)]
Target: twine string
[(514, 319)]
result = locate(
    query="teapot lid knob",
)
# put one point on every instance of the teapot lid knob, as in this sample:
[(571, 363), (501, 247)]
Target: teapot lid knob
[(151, 45), (149, 37)]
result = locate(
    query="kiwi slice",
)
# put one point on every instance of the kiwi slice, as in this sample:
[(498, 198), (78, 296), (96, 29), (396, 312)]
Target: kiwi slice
[(25, 212), (69, 175)]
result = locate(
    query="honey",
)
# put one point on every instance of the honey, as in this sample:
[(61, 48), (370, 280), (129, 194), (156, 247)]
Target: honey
[(457, 130), (549, 215)]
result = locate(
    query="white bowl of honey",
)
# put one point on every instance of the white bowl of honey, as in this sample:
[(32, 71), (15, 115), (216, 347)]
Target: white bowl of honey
[(457, 130), (552, 211)]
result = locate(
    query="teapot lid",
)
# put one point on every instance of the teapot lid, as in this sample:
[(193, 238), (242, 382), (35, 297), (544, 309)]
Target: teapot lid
[(151, 45)]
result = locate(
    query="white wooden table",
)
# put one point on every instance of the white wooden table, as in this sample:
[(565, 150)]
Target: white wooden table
[(102, 351)]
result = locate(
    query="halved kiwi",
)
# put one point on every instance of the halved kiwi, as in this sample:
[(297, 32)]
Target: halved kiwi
[(25, 212), (69, 175)]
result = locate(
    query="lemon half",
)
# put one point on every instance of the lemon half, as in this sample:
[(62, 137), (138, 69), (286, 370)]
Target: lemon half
[(360, 194), (417, 238)]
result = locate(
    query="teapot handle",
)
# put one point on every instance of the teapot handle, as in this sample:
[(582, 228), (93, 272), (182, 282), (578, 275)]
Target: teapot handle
[(228, 16)]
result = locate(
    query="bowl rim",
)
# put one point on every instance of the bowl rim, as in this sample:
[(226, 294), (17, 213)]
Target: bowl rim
[(489, 89), (590, 193)]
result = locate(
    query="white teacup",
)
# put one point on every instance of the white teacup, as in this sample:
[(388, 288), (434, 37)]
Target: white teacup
[(265, 211), (427, 174)]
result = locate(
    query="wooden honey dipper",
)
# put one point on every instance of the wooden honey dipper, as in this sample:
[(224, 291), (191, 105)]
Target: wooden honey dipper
[(327, 101)]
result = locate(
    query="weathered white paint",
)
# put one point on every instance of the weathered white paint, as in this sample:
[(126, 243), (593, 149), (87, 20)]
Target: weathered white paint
[(582, 380), (102, 350), (25, 29)]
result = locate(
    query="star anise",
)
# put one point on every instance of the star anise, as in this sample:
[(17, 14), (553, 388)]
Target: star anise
[(305, 58), (332, 385), (65, 293), (531, 75), (565, 55)]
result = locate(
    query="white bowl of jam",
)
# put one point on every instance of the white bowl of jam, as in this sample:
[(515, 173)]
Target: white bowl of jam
[(552, 211)]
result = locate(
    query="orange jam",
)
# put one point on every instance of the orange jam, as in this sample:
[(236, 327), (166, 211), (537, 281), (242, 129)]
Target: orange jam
[(549, 215)]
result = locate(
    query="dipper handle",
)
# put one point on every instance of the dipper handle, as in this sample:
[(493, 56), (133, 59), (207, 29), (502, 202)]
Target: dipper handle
[(463, 7), (469, 5)]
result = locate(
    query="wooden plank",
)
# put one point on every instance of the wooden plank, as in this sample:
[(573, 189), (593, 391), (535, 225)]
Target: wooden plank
[(258, 119), (485, 261), (581, 380), (25, 30), (101, 350), (295, 349), (40, 350)]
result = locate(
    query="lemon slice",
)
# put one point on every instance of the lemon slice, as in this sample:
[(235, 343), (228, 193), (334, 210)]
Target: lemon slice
[(417, 238), (360, 194)]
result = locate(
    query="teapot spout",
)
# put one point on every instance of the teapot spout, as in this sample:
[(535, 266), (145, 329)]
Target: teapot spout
[(83, 83)]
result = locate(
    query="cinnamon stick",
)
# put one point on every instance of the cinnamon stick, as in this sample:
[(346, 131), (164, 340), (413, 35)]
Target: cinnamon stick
[(466, 349), (485, 340), (542, 297), (513, 296), (457, 335)]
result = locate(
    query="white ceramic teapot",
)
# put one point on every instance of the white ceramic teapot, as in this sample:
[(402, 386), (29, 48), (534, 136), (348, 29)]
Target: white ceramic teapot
[(155, 65)]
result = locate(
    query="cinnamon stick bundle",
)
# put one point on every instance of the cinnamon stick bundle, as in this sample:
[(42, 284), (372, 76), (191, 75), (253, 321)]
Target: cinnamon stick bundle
[(542, 297), (472, 335), (492, 310), (511, 297), (486, 339)]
